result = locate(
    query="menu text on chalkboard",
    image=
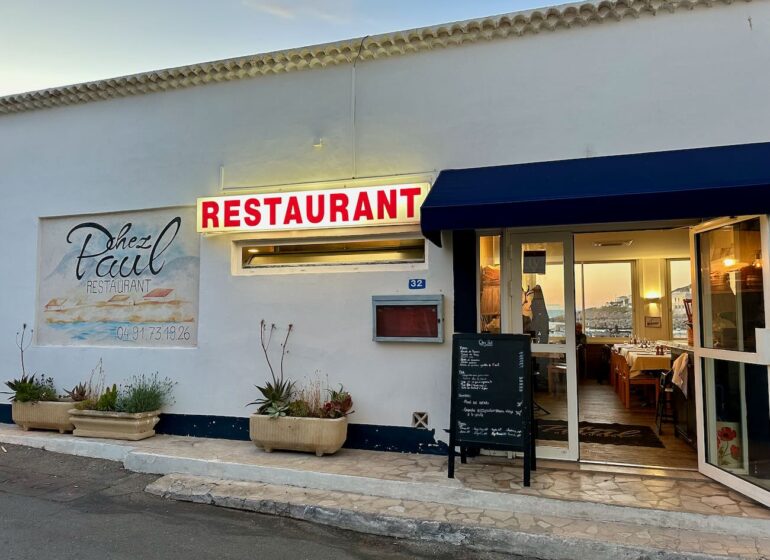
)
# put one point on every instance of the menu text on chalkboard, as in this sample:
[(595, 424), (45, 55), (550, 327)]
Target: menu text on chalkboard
[(491, 395)]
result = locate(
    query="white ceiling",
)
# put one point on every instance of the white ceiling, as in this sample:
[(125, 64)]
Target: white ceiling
[(645, 244)]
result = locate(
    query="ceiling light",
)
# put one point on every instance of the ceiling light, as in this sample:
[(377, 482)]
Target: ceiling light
[(618, 243)]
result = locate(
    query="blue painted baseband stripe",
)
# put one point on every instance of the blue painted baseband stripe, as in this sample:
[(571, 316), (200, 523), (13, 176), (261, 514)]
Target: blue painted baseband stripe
[(5, 414), (360, 436)]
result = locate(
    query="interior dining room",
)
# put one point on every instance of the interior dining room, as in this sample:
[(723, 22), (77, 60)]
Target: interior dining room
[(633, 323), (632, 320)]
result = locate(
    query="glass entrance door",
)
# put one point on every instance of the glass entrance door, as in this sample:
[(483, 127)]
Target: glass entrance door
[(732, 352), (541, 304)]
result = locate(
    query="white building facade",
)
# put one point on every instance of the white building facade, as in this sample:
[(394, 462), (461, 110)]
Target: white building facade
[(568, 83)]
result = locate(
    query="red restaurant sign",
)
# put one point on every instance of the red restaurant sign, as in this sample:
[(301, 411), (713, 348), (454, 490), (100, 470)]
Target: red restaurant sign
[(331, 208)]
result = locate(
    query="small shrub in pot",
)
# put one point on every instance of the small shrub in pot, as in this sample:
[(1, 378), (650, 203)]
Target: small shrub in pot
[(297, 418), (127, 412), (34, 400)]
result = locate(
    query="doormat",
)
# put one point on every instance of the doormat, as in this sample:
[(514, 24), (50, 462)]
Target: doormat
[(593, 432)]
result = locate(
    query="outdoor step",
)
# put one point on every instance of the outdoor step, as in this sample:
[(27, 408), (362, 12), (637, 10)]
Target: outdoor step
[(499, 530)]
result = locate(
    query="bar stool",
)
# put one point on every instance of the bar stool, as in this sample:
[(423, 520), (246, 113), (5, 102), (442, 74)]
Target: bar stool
[(665, 408)]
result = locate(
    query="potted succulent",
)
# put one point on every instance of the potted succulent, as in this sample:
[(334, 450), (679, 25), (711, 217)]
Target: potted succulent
[(129, 412), (297, 419), (34, 401)]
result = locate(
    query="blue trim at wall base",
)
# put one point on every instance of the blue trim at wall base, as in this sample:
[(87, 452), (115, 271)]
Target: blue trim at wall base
[(394, 438), (360, 436), (5, 414), (195, 425)]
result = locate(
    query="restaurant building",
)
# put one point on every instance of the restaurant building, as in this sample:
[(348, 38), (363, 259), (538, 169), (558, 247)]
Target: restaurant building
[(603, 163)]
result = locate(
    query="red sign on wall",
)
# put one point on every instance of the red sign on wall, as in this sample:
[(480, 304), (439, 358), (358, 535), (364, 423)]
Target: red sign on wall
[(331, 208)]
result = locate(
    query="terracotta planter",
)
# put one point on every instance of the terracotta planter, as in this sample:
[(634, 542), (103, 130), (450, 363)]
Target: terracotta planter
[(114, 425), (44, 415), (317, 435)]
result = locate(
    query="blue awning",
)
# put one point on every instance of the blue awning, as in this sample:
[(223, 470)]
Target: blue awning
[(679, 184)]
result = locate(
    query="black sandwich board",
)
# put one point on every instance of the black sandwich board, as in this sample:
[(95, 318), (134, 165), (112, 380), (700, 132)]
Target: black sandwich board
[(492, 396)]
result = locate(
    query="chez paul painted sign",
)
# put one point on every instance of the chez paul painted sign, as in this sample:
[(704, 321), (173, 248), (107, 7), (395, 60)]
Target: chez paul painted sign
[(121, 279), (330, 208)]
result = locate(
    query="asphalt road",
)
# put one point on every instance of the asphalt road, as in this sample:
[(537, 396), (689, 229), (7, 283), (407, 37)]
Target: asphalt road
[(62, 507)]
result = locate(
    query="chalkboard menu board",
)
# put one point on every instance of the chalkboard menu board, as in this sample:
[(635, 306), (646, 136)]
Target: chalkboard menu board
[(491, 395)]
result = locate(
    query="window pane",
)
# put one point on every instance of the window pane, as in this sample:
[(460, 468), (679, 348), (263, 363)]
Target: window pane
[(608, 300), (489, 300), (732, 303), (542, 292), (338, 253), (738, 419), (680, 298)]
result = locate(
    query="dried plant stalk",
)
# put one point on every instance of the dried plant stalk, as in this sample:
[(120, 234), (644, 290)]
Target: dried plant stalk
[(312, 392)]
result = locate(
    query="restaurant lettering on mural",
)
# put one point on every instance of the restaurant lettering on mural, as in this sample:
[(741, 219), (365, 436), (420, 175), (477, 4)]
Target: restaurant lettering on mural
[(106, 250), (391, 204)]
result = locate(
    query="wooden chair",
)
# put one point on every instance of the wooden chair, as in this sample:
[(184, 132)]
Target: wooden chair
[(615, 369), (621, 379), (640, 380)]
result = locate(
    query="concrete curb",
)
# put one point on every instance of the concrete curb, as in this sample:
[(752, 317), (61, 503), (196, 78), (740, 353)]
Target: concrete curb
[(143, 461), (70, 445), (545, 547)]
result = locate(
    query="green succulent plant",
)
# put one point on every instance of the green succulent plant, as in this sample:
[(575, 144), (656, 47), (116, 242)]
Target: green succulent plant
[(23, 389), (78, 393), (277, 410), (276, 394), (28, 388), (340, 404), (108, 401)]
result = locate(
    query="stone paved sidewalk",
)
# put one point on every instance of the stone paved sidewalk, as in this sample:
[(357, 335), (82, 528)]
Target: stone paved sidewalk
[(675, 491), (539, 536), (654, 489)]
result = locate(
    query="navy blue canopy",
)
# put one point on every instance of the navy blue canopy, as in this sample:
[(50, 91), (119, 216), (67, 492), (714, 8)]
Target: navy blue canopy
[(678, 184)]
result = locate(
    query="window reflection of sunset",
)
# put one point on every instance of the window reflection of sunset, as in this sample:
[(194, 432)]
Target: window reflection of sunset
[(552, 284), (605, 282)]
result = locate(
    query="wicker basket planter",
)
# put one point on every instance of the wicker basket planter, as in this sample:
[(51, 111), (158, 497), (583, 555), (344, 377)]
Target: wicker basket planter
[(43, 415), (114, 425), (317, 435)]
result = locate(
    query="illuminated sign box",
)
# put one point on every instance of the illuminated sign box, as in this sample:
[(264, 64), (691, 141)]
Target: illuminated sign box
[(329, 208)]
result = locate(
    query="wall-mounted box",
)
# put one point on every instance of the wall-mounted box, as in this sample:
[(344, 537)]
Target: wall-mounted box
[(408, 318)]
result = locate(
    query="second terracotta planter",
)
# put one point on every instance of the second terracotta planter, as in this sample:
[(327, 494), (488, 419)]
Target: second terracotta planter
[(114, 425)]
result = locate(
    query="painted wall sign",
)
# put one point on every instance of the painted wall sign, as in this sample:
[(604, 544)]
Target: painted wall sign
[(331, 208), (122, 279)]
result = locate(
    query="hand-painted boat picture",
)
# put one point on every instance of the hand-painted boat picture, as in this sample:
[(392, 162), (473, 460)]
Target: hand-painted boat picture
[(121, 279)]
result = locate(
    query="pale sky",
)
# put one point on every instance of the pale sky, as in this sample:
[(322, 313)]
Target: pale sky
[(47, 43)]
